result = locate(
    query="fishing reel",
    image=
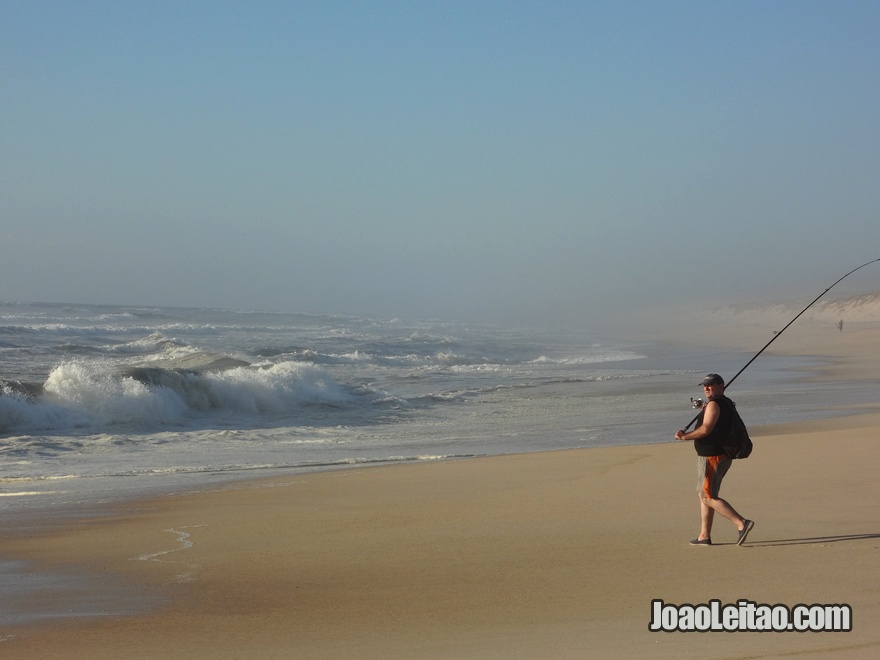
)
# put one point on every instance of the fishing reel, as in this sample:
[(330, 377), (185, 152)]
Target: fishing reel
[(696, 404)]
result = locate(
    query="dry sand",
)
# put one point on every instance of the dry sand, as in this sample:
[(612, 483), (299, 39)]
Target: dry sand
[(554, 554)]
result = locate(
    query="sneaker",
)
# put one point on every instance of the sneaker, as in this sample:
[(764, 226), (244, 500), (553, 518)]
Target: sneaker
[(701, 542), (744, 532)]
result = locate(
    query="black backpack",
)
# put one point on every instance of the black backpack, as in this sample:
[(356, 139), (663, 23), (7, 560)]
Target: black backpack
[(737, 444)]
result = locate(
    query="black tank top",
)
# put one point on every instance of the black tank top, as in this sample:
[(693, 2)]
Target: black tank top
[(713, 444)]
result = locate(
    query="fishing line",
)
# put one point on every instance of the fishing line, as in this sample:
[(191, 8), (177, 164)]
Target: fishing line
[(777, 334)]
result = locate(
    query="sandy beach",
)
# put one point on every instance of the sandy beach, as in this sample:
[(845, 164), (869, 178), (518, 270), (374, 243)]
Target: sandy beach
[(554, 554)]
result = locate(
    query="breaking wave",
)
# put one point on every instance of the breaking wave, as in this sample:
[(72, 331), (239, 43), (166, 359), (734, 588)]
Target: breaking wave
[(95, 394)]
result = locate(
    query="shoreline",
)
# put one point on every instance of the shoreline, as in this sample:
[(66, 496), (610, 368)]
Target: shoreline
[(556, 552)]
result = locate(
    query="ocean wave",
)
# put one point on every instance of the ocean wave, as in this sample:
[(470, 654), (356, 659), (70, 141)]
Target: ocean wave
[(153, 342), (57, 328), (598, 358), (96, 394), (27, 414), (190, 359), (365, 357), (454, 359)]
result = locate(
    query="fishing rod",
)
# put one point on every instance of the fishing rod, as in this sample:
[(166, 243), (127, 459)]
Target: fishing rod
[(776, 334)]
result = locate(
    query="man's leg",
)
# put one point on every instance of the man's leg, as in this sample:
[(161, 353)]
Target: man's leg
[(712, 470), (722, 507), (707, 515)]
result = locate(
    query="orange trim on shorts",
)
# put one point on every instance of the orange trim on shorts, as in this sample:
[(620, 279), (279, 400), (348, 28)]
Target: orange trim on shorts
[(711, 466)]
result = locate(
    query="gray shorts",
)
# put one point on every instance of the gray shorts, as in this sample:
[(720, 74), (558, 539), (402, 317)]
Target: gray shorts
[(710, 473)]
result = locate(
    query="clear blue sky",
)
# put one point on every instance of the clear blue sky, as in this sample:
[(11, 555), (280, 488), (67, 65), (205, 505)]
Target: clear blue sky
[(471, 160)]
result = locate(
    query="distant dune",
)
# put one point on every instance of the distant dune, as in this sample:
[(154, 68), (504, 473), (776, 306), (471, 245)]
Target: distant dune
[(854, 309), (747, 326), (865, 307)]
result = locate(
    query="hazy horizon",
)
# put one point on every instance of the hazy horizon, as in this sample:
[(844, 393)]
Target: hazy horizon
[(488, 161)]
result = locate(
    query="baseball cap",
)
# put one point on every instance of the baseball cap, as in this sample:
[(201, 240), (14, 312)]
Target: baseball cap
[(712, 379)]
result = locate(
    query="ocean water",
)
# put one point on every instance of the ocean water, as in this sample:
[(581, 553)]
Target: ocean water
[(101, 403)]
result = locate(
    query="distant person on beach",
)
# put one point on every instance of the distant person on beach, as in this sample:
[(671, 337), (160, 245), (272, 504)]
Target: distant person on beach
[(840, 325), (712, 462)]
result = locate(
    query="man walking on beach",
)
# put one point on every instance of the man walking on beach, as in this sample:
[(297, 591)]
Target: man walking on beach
[(713, 426)]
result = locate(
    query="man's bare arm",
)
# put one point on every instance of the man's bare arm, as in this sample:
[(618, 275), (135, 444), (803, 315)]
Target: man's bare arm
[(710, 418)]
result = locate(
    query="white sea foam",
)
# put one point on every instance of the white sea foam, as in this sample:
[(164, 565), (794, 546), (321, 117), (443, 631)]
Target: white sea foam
[(184, 542), (92, 391), (156, 341), (597, 358), (276, 388), (27, 493), (95, 394), (20, 414)]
